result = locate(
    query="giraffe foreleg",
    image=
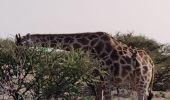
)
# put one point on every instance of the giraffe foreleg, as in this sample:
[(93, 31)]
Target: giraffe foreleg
[(107, 91), (142, 92), (99, 93)]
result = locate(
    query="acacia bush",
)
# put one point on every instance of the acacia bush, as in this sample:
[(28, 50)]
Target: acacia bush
[(42, 73)]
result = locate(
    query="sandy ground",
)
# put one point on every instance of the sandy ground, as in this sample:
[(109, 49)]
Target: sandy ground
[(159, 95)]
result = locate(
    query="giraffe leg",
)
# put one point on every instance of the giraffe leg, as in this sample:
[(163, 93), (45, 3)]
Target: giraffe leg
[(142, 94), (150, 95), (107, 91), (99, 94)]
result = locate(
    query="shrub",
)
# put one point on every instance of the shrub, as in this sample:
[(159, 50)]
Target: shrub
[(34, 72)]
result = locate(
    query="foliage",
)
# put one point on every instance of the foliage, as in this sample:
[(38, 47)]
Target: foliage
[(43, 73), (141, 42)]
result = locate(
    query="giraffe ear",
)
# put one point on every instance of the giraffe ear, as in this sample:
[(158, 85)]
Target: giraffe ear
[(19, 36), (17, 39)]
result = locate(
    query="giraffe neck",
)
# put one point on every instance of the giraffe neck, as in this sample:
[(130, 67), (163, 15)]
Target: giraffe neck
[(102, 45), (83, 41)]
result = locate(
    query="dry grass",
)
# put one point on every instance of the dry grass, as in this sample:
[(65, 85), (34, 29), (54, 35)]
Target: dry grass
[(159, 95)]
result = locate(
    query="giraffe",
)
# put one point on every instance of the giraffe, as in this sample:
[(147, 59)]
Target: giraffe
[(125, 65), (145, 60)]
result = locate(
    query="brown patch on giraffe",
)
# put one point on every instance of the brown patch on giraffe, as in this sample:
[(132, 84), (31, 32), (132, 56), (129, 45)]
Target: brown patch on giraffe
[(47, 38), (54, 41), (83, 41), (127, 59), (85, 35), (138, 72), (93, 42), (37, 36), (101, 33), (136, 63), (125, 48), (116, 65), (59, 40), (120, 52), (108, 47), (105, 38), (68, 40), (43, 40), (127, 67), (142, 79), (37, 41), (115, 69), (141, 82), (124, 52), (145, 69), (137, 80), (103, 55), (76, 46), (108, 62), (132, 75), (61, 36), (124, 72), (78, 36), (99, 47), (143, 62), (90, 37), (119, 48), (112, 68), (114, 55), (148, 74), (145, 57), (145, 77), (122, 61), (51, 37)]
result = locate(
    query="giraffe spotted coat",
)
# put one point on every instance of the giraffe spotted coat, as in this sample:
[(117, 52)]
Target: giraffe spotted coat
[(125, 65)]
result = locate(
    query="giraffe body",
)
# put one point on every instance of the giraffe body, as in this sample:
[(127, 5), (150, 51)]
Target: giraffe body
[(125, 65)]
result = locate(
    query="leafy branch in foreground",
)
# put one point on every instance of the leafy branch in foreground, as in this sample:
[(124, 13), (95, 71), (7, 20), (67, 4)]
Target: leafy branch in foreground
[(42, 73)]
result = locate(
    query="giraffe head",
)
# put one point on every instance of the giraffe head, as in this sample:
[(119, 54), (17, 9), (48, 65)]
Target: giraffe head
[(25, 40)]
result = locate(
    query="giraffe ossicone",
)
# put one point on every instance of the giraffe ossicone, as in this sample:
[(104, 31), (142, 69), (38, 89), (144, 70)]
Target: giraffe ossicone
[(124, 64)]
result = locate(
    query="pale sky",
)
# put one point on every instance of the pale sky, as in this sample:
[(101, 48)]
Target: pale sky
[(145, 17)]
